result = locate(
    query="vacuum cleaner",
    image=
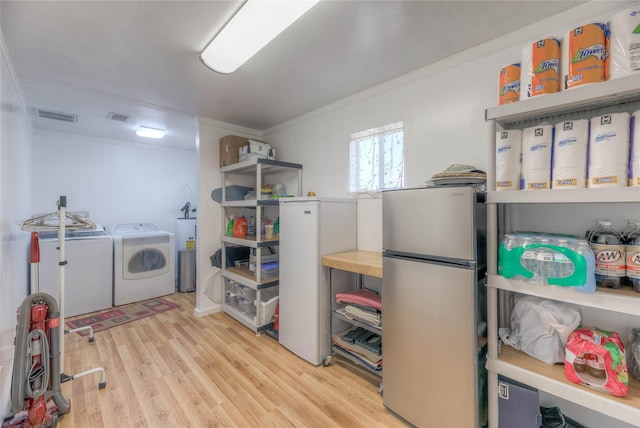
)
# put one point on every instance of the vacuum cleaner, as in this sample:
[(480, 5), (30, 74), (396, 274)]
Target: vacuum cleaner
[(36, 397)]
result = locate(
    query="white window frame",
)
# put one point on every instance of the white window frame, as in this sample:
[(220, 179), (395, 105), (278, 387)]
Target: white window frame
[(382, 138)]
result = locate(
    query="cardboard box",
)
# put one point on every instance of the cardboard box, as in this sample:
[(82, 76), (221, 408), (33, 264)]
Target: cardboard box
[(229, 149)]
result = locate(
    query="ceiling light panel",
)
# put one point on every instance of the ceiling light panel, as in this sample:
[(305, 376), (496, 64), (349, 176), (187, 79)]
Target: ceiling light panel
[(256, 24), (147, 132)]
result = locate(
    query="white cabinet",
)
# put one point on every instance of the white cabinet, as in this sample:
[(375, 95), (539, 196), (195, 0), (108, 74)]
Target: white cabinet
[(618, 310), (251, 296)]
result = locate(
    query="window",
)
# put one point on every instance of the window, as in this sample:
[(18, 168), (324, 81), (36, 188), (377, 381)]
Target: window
[(376, 159)]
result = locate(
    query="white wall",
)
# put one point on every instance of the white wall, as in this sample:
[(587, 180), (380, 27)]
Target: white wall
[(209, 227), (442, 107), (116, 181), (15, 199)]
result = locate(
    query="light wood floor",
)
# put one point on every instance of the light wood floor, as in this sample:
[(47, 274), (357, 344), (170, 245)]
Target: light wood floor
[(175, 369)]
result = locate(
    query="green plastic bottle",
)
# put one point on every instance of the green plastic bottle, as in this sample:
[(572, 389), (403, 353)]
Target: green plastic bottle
[(230, 226)]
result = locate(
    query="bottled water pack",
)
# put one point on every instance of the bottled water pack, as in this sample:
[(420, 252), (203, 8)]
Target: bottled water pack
[(548, 259)]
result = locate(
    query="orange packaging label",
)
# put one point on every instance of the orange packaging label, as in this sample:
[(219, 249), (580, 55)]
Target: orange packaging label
[(54, 322), (545, 59), (509, 84), (587, 54)]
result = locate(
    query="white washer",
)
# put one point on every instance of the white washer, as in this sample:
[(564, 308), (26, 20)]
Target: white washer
[(88, 285), (143, 262)]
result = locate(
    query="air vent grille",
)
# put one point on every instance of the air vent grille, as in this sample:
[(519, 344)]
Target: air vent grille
[(118, 117), (56, 115)]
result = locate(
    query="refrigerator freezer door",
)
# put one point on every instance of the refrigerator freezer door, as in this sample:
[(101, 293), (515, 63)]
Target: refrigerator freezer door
[(310, 229), (439, 222), (299, 293), (429, 337)]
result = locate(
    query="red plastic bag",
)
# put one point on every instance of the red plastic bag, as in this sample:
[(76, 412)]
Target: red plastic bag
[(596, 358), (240, 227)]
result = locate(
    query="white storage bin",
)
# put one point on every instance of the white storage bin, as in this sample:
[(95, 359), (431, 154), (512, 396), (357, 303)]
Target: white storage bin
[(268, 308)]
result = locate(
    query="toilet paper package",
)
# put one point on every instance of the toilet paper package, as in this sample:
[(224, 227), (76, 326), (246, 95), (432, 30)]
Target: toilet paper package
[(509, 90), (584, 53), (634, 159), (508, 159), (624, 43), (536, 157), (540, 68), (609, 150), (569, 169)]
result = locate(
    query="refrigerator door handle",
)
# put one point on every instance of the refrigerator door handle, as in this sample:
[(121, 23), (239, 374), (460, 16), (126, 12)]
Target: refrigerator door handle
[(440, 261)]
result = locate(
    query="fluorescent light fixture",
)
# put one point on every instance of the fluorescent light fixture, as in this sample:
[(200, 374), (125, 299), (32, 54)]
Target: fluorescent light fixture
[(145, 131), (252, 27)]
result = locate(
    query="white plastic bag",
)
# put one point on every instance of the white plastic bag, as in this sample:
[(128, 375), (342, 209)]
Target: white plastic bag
[(541, 327)]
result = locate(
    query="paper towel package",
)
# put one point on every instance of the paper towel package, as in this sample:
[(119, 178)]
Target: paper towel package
[(569, 159), (508, 159), (536, 157), (624, 43), (584, 53), (609, 150), (540, 68), (509, 91), (634, 159)]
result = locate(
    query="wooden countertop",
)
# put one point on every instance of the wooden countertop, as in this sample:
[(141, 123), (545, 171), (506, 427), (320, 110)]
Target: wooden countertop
[(362, 262)]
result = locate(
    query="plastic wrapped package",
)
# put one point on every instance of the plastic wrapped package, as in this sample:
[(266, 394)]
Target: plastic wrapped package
[(633, 354), (548, 259), (596, 358), (540, 327)]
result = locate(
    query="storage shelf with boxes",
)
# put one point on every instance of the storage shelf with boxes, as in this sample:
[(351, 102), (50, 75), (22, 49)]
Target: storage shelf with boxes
[(234, 149)]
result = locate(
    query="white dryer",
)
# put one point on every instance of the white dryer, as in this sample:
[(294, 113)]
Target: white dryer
[(143, 262)]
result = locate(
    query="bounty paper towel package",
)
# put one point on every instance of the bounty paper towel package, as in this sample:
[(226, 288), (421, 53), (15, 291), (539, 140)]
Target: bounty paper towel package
[(536, 157), (609, 150), (569, 170), (508, 154), (540, 68), (624, 43)]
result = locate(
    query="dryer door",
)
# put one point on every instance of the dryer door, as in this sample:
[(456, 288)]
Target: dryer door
[(145, 257)]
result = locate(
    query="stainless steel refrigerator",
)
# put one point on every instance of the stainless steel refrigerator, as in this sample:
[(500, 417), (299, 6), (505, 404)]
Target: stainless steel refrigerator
[(434, 261)]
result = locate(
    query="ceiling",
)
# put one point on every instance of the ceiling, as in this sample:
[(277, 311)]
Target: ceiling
[(141, 58)]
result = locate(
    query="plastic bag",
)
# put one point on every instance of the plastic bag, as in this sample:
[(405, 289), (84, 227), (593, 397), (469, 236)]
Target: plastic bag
[(633, 354), (541, 327)]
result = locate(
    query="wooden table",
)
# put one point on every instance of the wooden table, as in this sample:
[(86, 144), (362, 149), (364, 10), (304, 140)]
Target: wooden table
[(361, 262)]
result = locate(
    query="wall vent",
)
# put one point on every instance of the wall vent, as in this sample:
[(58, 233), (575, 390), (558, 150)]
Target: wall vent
[(118, 117), (56, 115)]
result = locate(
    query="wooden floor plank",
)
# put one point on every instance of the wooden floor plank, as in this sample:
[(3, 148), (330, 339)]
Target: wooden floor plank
[(177, 370)]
